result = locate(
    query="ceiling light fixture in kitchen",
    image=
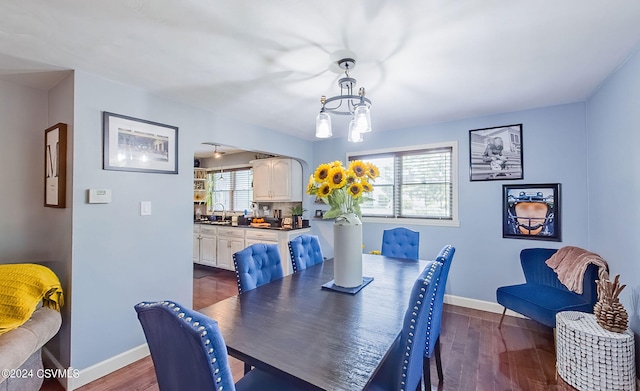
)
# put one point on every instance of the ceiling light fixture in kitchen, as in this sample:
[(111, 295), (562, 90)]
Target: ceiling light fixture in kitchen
[(358, 106), (216, 153)]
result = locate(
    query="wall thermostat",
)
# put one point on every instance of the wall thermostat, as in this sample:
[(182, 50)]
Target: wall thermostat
[(99, 196)]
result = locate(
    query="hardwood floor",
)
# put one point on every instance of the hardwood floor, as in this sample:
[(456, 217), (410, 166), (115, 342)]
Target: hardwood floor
[(476, 355)]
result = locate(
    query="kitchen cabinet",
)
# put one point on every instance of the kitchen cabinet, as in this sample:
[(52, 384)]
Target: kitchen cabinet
[(204, 245), (277, 180), (254, 236), (230, 241)]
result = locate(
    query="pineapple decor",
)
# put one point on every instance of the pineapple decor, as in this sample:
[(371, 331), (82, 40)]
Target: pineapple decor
[(609, 312)]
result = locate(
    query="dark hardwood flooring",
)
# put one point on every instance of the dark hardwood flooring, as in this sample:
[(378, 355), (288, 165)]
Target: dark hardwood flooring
[(476, 355)]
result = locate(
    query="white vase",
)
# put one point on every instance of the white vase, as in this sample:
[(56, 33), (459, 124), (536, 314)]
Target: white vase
[(347, 258)]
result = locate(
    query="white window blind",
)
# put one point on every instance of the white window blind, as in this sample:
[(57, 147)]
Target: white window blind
[(232, 188), (412, 184)]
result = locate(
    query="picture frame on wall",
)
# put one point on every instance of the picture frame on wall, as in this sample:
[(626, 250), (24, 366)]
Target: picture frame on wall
[(496, 153), (531, 211), (55, 166), (133, 144)]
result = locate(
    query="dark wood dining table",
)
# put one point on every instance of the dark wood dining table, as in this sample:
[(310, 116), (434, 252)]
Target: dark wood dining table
[(329, 340)]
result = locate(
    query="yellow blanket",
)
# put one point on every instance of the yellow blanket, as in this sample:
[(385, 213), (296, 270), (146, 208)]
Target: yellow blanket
[(22, 287)]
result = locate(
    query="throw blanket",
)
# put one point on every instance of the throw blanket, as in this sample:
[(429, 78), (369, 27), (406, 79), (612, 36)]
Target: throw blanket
[(22, 287), (570, 263)]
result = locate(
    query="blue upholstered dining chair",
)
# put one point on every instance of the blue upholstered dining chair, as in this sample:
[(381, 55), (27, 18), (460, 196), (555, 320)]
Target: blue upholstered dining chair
[(400, 243), (432, 347), (305, 251), (189, 353), (402, 369), (257, 265)]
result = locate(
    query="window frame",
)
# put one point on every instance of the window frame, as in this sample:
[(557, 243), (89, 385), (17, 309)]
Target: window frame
[(229, 169), (454, 220)]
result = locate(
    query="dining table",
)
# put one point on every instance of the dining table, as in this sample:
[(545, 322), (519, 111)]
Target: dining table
[(320, 338)]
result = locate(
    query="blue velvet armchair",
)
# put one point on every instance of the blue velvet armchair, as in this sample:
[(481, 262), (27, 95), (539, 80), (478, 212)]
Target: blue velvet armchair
[(257, 265), (400, 243), (305, 251), (542, 296)]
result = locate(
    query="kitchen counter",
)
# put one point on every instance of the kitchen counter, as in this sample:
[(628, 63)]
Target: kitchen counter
[(218, 224)]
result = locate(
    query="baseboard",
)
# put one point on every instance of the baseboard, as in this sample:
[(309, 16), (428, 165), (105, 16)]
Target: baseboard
[(100, 369), (481, 305), (50, 361)]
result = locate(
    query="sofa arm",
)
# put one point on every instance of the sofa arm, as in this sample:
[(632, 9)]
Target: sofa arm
[(17, 345)]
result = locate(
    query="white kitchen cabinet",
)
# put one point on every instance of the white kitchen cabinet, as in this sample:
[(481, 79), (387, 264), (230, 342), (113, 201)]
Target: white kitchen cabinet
[(230, 241), (277, 180), (196, 243), (208, 245), (254, 236), (204, 245)]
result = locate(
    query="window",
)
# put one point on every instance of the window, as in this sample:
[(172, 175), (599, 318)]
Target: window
[(232, 188), (416, 183)]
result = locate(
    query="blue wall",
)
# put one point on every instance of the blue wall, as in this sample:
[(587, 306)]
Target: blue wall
[(613, 123), (554, 144), (119, 257)]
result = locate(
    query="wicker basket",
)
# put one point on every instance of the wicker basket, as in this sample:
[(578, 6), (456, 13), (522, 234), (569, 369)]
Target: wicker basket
[(592, 358)]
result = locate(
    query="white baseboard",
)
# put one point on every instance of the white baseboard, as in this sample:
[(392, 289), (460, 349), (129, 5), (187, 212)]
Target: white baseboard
[(100, 369), (481, 305)]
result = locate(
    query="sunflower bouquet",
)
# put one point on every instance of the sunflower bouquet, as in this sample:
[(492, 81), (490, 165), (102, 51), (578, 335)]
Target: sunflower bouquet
[(342, 188)]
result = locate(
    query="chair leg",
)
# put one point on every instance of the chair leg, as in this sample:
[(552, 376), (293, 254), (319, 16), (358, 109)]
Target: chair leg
[(502, 317), (426, 373), (439, 361), (247, 368)]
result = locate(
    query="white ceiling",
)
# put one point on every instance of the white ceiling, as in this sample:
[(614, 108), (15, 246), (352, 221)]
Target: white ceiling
[(268, 62)]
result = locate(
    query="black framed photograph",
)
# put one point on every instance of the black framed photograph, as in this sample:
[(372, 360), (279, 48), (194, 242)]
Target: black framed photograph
[(55, 166), (133, 144), (531, 211), (496, 153), (319, 213)]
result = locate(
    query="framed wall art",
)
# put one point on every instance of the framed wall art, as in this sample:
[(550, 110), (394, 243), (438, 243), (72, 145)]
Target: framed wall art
[(496, 153), (55, 166), (133, 144), (531, 211)]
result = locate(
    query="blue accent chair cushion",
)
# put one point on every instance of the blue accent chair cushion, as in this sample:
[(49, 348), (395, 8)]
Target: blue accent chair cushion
[(402, 368), (400, 243), (542, 296), (305, 251), (189, 353), (257, 265)]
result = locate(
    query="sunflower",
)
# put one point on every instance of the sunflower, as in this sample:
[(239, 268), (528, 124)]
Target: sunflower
[(337, 177), (311, 185), (366, 186), (335, 163), (358, 167), (372, 171), (324, 190), (351, 177), (322, 172), (355, 189)]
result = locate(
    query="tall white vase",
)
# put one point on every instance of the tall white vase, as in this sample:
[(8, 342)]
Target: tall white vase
[(347, 258)]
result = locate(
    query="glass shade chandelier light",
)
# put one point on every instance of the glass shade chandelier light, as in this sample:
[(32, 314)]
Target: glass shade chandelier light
[(358, 106)]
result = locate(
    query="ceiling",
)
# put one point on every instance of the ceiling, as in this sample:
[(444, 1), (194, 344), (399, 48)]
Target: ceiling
[(268, 62)]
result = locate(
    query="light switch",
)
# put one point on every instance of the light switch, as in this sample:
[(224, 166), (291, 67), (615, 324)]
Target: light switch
[(145, 208)]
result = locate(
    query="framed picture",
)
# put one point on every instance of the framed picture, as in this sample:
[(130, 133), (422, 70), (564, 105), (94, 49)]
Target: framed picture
[(132, 144), (55, 166), (496, 153), (531, 211), (319, 213)]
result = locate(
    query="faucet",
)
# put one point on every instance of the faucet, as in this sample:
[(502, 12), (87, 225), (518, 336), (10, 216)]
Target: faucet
[(223, 211)]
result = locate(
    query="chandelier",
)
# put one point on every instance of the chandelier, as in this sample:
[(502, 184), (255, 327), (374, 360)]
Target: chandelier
[(345, 104)]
